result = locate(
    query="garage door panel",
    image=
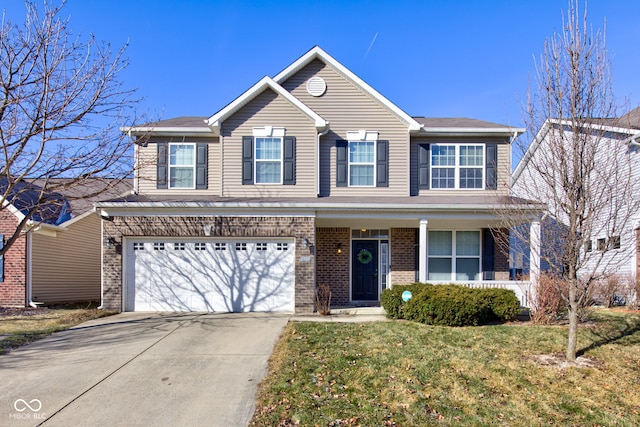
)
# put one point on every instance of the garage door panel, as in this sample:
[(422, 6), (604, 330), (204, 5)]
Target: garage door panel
[(213, 276)]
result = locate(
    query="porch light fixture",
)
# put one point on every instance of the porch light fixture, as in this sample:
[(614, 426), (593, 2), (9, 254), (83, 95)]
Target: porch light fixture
[(339, 248), (111, 242)]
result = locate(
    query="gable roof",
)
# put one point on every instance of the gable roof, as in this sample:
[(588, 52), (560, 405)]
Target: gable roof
[(63, 205), (317, 53), (255, 90), (628, 124)]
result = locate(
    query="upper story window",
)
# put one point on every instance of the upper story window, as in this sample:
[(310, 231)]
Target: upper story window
[(268, 160), (268, 157), (182, 165), (362, 161), (457, 166)]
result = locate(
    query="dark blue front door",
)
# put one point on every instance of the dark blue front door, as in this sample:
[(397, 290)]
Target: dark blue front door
[(364, 270)]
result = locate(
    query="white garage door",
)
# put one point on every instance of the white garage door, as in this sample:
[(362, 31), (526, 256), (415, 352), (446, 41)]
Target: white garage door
[(209, 275)]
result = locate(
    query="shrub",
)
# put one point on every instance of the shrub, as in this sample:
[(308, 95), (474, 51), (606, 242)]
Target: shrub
[(391, 299), (447, 305), (323, 300), (548, 304), (450, 305), (503, 303)]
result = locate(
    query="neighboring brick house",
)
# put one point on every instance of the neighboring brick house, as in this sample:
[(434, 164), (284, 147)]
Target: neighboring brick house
[(56, 259), (310, 177)]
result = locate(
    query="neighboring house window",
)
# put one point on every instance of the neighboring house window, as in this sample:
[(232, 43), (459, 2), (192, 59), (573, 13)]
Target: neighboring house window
[(602, 244), (457, 166), (454, 255), (182, 165), (589, 245), (614, 242), (268, 157), (268, 160)]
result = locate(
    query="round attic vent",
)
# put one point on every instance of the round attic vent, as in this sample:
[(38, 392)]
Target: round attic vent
[(316, 86)]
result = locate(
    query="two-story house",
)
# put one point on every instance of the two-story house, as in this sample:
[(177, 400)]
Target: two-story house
[(610, 163), (310, 177)]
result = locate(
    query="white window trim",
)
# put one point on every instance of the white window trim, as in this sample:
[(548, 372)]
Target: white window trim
[(454, 255), (362, 136), (456, 167), (192, 166), (268, 132)]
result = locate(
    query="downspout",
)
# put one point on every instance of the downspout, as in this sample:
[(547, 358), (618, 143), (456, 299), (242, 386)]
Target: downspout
[(101, 306), (29, 283), (320, 134)]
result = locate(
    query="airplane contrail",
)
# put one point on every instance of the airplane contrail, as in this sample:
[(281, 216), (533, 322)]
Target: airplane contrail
[(371, 45)]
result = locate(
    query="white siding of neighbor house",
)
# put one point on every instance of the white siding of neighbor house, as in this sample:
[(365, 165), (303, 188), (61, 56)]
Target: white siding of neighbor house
[(620, 262), (147, 164), (66, 268), (348, 108), (503, 169), (269, 109)]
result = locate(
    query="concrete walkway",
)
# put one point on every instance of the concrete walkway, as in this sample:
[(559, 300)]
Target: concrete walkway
[(346, 315), (141, 369)]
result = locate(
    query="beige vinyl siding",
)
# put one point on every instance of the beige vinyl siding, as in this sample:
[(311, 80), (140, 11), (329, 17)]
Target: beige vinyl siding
[(347, 108), (503, 165), (147, 167), (66, 268), (269, 109)]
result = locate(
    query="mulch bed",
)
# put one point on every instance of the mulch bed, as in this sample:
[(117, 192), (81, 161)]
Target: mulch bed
[(21, 311)]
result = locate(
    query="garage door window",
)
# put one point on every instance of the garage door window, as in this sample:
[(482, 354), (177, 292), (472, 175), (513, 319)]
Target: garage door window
[(178, 246), (201, 246), (158, 246), (220, 247), (282, 246), (241, 246), (138, 246)]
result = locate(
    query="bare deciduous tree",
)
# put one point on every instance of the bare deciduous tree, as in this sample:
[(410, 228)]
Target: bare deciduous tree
[(61, 105), (575, 164)]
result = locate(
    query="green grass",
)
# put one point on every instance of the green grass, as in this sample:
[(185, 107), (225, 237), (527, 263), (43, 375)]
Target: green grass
[(20, 329), (408, 374)]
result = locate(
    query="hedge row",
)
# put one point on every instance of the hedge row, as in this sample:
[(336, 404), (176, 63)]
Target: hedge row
[(450, 305)]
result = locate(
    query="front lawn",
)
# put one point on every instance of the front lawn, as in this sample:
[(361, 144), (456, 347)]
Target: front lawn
[(407, 374), (22, 326)]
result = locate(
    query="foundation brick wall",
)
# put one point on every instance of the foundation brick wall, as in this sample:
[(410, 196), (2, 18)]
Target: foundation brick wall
[(333, 268), (300, 228), (13, 288), (403, 256)]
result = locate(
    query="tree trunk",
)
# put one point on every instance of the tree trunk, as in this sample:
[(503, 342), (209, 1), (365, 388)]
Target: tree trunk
[(573, 322)]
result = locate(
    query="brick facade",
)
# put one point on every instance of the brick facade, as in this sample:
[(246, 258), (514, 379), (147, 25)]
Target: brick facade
[(501, 258), (403, 256), (300, 228), (13, 287), (333, 268)]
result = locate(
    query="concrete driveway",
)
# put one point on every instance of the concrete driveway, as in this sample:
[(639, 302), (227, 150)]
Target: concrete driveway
[(141, 369)]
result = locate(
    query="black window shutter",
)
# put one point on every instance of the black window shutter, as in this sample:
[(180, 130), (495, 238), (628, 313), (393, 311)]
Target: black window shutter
[(201, 165), (1, 258), (423, 166), (488, 255), (247, 160), (289, 161), (492, 166), (342, 163), (382, 164), (163, 158)]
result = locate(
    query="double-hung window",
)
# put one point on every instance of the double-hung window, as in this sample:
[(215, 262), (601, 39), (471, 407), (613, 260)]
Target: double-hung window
[(362, 163), (268, 160), (454, 255), (182, 165), (457, 166)]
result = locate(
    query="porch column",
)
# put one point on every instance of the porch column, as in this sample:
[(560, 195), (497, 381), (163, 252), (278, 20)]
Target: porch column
[(534, 253), (422, 260)]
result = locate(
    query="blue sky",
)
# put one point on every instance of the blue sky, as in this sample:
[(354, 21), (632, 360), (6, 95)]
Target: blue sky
[(431, 58)]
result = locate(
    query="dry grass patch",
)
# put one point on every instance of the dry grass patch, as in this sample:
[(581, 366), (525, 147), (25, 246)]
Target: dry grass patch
[(408, 374), (22, 326)]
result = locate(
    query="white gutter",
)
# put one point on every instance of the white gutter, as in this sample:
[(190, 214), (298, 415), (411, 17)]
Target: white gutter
[(167, 131), (466, 131), (323, 133)]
